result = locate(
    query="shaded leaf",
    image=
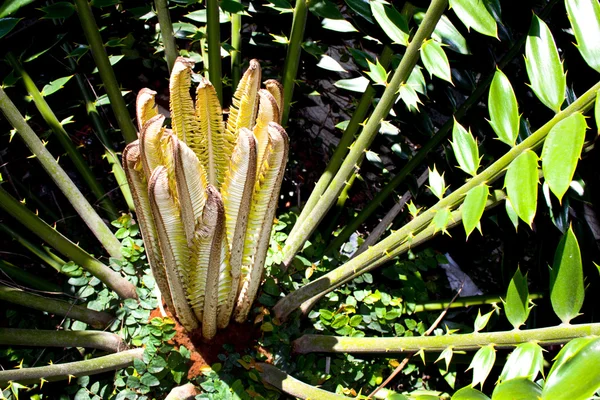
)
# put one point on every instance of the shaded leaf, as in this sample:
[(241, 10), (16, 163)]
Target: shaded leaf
[(473, 207), (58, 10), (502, 104), (512, 214), (525, 361), (566, 278), (521, 185), (391, 22), (561, 152), (585, 20), (10, 6), (447, 33), (7, 25), (435, 60), (516, 305), (465, 149), (517, 389), (474, 14), (362, 8), (55, 85), (597, 112), (545, 71), (324, 9)]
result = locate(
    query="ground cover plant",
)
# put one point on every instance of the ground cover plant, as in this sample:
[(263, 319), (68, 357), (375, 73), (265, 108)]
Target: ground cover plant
[(352, 302)]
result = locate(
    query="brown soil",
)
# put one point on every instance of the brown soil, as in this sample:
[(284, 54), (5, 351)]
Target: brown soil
[(203, 354)]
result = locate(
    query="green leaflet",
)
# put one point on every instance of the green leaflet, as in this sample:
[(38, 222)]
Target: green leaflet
[(597, 112), (482, 364), (585, 20), (502, 104), (446, 32), (354, 84), (517, 389), (7, 25), (525, 361), (391, 22), (55, 85), (441, 220), (436, 183), (566, 278), (521, 185), (561, 152), (473, 207), (468, 393), (544, 68), (516, 305), (435, 60), (474, 14), (465, 149), (512, 214), (575, 378)]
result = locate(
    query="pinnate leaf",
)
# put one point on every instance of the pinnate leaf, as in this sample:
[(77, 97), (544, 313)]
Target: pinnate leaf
[(474, 14), (561, 152), (566, 278), (544, 68), (473, 207), (504, 115), (482, 364), (517, 300), (521, 185), (465, 149), (585, 20)]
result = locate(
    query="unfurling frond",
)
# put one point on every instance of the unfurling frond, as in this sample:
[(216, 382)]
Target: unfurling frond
[(173, 243), (145, 108), (264, 204), (150, 143), (268, 111), (276, 90), (237, 193), (183, 120), (139, 190), (208, 145)]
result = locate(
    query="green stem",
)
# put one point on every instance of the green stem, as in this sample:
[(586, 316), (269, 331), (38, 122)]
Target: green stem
[(45, 338), (65, 371), (26, 278), (63, 137), (213, 35), (96, 319), (292, 58), (284, 307), (107, 74), (109, 153), (60, 177), (166, 32), (433, 143), (295, 242), (358, 117), (275, 377), (389, 247), (339, 207), (236, 53), (462, 302), (465, 342), (69, 249), (36, 250)]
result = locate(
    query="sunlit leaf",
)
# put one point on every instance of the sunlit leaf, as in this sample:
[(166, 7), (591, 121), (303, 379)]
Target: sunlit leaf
[(474, 14), (516, 305), (502, 103), (566, 279), (577, 376), (435, 60), (446, 32), (544, 68), (7, 25), (473, 207), (441, 219), (330, 64), (512, 215), (521, 185), (517, 389), (465, 149), (338, 25), (481, 320), (409, 96), (391, 22), (585, 20), (377, 73), (446, 355), (55, 85), (355, 84), (436, 183), (561, 152), (468, 393), (482, 364), (525, 361)]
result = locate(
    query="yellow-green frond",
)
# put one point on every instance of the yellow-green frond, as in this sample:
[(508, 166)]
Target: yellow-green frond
[(150, 143), (139, 191), (173, 244), (264, 204), (267, 112), (208, 145), (183, 119), (276, 89), (191, 186), (226, 291), (237, 194), (145, 108)]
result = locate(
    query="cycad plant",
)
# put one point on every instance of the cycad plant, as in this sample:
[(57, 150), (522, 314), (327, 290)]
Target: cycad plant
[(206, 193)]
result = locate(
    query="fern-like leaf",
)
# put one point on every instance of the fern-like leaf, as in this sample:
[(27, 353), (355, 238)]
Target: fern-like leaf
[(173, 244), (264, 204), (268, 111), (276, 90), (237, 193), (145, 108), (208, 145), (183, 120), (150, 143)]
